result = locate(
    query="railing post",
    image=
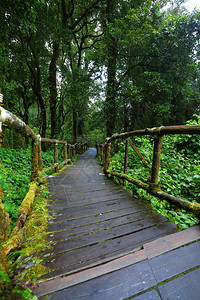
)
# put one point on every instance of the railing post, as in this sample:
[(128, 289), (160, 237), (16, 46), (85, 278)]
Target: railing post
[(125, 160), (40, 165), (107, 157), (74, 151), (34, 155), (69, 151), (98, 150), (154, 185), (65, 151), (56, 156), (101, 149)]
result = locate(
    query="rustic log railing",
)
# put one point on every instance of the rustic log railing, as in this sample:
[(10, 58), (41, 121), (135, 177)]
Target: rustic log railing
[(70, 151), (153, 187)]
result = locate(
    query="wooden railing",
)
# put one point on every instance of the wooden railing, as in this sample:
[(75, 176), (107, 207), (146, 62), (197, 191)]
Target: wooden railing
[(70, 151), (153, 187)]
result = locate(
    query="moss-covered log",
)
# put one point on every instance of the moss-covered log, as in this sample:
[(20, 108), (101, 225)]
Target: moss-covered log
[(45, 140), (15, 123), (140, 184), (26, 204), (145, 163), (184, 204)]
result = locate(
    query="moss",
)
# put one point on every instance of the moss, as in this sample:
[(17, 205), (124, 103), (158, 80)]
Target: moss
[(25, 207), (24, 264)]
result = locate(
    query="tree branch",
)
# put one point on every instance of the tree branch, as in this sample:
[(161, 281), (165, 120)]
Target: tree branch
[(85, 14)]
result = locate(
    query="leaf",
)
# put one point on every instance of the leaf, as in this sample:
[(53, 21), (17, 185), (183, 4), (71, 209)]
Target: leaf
[(5, 276)]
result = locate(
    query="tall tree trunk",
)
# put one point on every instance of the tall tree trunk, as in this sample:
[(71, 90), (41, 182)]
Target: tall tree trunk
[(52, 87), (36, 85), (111, 89)]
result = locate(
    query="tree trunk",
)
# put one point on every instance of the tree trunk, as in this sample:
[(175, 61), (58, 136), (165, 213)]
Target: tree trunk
[(52, 87), (111, 89)]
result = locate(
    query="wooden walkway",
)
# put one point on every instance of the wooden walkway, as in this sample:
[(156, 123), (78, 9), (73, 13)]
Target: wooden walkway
[(102, 234)]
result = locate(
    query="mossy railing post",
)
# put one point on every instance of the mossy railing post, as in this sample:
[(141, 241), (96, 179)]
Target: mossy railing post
[(65, 151), (98, 150), (56, 156), (74, 151), (126, 160), (40, 164), (107, 157), (154, 184), (101, 149), (70, 151), (35, 159)]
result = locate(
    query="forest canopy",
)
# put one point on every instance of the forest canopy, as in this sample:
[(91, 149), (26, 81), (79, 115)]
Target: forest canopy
[(72, 67)]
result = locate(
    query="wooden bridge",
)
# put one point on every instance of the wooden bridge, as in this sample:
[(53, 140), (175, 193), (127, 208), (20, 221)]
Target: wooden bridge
[(105, 243)]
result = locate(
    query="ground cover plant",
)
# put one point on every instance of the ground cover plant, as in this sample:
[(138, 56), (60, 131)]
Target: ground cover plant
[(179, 172), (15, 174)]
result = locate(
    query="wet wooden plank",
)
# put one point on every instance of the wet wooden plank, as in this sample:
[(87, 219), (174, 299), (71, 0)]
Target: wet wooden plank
[(95, 219), (63, 201), (94, 209), (171, 242), (79, 197), (94, 233), (94, 238), (175, 262), (185, 287), (103, 221), (77, 278), (91, 188), (106, 250), (119, 284)]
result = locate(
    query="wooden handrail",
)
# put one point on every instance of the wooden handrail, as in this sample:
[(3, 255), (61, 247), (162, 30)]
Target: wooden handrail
[(12, 121), (157, 131), (153, 187)]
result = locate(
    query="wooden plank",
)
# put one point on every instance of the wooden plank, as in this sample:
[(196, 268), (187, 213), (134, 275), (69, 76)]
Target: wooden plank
[(62, 283), (184, 287), (84, 196), (91, 188), (175, 262), (171, 242), (112, 219), (90, 238), (120, 284), (93, 209), (108, 249), (65, 202), (95, 233), (92, 194)]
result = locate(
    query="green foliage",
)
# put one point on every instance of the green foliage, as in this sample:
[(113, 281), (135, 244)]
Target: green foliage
[(179, 172), (24, 263), (15, 176), (96, 136)]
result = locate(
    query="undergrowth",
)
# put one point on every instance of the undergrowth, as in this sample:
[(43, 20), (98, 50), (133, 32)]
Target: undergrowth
[(15, 171), (18, 272)]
